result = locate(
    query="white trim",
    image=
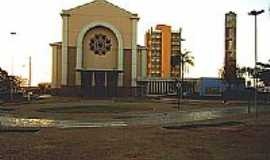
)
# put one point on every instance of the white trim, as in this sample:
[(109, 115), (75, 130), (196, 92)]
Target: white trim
[(134, 53), (106, 84), (65, 51), (120, 80), (93, 79), (85, 29), (78, 78), (81, 37)]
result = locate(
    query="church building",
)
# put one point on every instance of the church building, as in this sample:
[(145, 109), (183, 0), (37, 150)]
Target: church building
[(99, 51)]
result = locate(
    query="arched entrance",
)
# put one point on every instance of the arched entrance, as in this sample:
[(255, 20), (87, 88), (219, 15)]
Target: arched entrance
[(100, 60)]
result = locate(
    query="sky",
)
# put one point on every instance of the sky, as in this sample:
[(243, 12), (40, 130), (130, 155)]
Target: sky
[(38, 23)]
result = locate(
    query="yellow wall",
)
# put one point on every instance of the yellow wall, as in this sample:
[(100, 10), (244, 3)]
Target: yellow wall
[(93, 61), (97, 12), (71, 66), (80, 17), (56, 65)]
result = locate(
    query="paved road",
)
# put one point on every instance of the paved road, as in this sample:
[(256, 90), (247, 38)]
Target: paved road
[(190, 116), (126, 119)]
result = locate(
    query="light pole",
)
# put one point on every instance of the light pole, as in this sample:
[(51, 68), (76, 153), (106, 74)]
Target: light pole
[(30, 71), (11, 85), (13, 34), (255, 14)]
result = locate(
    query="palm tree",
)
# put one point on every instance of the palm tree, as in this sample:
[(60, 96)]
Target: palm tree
[(187, 61)]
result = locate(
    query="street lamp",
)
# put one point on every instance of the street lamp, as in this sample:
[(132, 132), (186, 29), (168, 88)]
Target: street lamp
[(255, 14), (12, 56), (12, 70)]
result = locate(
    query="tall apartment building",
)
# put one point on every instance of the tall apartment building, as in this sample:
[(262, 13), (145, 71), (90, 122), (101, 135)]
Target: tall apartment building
[(230, 46), (162, 45)]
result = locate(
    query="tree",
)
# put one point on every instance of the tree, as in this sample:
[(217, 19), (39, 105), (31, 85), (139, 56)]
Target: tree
[(243, 72), (4, 83), (221, 73), (264, 73), (8, 84), (187, 61)]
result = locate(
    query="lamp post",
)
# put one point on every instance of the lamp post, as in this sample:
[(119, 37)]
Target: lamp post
[(11, 85), (13, 34), (255, 14), (30, 72)]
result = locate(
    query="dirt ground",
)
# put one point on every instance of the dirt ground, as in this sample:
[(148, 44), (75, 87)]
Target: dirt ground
[(78, 108), (248, 140)]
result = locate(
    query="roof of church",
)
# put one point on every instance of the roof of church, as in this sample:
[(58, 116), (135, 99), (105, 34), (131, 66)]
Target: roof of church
[(105, 2), (56, 44)]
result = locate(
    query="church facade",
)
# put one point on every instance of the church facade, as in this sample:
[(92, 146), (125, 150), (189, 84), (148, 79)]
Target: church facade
[(99, 49)]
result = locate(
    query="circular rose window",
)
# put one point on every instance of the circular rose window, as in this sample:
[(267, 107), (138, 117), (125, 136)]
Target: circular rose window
[(100, 44)]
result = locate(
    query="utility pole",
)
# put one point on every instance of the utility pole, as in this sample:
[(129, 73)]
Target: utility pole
[(182, 68), (30, 72), (180, 71), (179, 85), (255, 14)]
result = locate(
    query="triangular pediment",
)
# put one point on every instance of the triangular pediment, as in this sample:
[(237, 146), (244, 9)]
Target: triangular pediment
[(100, 3)]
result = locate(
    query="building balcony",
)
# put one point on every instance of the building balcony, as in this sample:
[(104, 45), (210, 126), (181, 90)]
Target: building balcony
[(155, 36), (176, 49), (155, 42), (175, 43), (156, 48)]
